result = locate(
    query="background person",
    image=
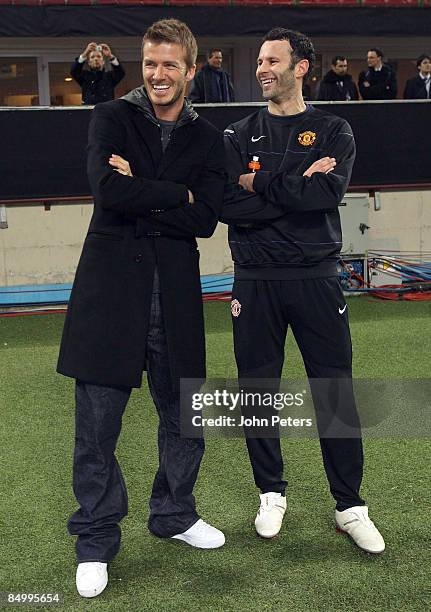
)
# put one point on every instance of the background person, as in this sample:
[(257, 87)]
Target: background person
[(418, 87), (337, 84), (212, 83), (97, 83), (379, 81)]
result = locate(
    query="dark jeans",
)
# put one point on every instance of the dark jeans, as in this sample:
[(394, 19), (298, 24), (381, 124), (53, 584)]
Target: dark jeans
[(315, 310), (97, 480)]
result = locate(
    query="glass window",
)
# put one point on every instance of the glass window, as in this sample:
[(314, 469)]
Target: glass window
[(18, 81), (132, 79), (63, 90)]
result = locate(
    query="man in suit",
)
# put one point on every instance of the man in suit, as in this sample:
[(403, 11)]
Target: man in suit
[(379, 81), (419, 87), (136, 301)]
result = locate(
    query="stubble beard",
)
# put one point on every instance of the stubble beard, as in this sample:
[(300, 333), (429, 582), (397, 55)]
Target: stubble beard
[(284, 89), (179, 92)]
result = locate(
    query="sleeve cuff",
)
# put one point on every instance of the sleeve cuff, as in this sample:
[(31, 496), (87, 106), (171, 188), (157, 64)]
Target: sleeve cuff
[(114, 61), (261, 180), (81, 59)]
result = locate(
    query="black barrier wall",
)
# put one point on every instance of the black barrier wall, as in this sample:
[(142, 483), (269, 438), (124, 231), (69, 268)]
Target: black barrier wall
[(45, 152)]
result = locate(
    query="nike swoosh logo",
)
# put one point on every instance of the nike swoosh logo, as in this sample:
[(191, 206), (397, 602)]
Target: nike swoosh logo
[(341, 310), (253, 139)]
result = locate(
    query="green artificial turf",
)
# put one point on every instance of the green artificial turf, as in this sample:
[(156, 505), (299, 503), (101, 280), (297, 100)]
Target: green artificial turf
[(308, 567)]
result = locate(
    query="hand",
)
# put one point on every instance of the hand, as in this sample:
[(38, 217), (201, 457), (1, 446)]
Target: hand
[(366, 84), (326, 164), (120, 165), (246, 181), (106, 51), (191, 197), (89, 48)]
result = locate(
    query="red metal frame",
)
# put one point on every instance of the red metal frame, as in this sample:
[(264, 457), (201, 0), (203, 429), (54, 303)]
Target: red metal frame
[(339, 3)]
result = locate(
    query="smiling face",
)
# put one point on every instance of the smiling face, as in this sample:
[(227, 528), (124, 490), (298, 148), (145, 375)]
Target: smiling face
[(373, 60), (215, 60), (278, 77), (166, 76)]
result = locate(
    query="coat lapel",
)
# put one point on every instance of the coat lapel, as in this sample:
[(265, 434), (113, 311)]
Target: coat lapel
[(150, 139), (180, 138)]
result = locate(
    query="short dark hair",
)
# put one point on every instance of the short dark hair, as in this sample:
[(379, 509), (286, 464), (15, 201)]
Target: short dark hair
[(173, 31), (212, 51), (421, 59), (338, 58), (302, 47), (378, 52)]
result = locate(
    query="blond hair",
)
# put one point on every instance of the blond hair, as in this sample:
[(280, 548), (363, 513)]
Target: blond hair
[(173, 31)]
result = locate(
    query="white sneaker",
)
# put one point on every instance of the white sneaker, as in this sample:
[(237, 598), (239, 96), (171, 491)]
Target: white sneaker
[(91, 578), (270, 514), (355, 522), (202, 535)]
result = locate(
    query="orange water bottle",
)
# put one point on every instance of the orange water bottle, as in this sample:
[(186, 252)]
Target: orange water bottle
[(254, 164)]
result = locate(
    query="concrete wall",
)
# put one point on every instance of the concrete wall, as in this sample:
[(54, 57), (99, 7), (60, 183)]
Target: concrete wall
[(43, 246), (402, 224)]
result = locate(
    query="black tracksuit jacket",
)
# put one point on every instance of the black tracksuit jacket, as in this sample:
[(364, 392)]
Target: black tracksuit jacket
[(289, 228)]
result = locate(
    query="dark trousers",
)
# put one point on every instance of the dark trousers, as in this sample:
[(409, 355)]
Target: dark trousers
[(97, 480), (314, 308)]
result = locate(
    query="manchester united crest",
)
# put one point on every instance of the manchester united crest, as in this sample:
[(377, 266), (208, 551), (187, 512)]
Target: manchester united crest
[(307, 138), (235, 307)]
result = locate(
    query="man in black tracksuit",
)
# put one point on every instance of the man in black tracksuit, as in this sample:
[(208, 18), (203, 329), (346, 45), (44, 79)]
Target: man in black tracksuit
[(285, 238)]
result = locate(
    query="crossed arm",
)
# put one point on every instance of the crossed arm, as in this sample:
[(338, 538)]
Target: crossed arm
[(263, 197)]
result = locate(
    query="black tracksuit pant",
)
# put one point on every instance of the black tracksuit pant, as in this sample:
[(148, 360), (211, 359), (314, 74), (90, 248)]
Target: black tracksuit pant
[(315, 310)]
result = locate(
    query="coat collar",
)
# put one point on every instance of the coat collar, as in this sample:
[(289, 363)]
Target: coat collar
[(180, 135)]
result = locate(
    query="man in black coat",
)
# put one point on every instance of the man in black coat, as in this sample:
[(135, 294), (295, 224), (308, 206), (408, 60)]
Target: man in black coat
[(212, 83), (419, 87), (97, 84), (379, 81), (156, 171), (337, 84)]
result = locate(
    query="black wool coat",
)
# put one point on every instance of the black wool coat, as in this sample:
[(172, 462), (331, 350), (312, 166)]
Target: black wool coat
[(383, 83), (138, 221), (204, 88), (330, 87)]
